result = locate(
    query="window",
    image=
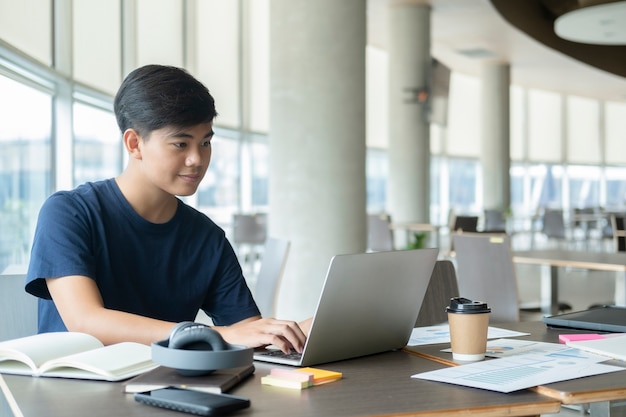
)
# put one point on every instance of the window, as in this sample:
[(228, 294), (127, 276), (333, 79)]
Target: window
[(259, 175), (463, 176), (615, 187), (97, 144), (218, 194), (25, 171), (584, 186), (376, 178)]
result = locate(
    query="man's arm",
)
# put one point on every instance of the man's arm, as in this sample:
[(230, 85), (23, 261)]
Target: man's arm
[(78, 300)]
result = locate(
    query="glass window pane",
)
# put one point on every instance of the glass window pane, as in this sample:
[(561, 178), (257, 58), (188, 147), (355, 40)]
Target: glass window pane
[(218, 194), (546, 183), (97, 44), (259, 176), (517, 188), (436, 203), (583, 130), (25, 169), (97, 144), (615, 188), (544, 126), (376, 166), (584, 186), (463, 185), (27, 25)]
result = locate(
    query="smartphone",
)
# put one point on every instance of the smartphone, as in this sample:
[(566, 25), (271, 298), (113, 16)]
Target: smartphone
[(193, 402)]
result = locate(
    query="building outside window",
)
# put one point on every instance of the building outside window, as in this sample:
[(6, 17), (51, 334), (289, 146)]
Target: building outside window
[(25, 170), (97, 144)]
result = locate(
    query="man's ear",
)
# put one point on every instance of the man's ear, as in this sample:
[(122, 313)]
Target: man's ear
[(131, 143)]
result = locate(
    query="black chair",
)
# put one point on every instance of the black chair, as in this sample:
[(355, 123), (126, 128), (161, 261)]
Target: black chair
[(554, 226), (618, 225), (465, 224), (441, 287), (379, 233)]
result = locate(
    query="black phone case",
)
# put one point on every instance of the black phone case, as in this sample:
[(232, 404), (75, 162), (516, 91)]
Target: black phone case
[(192, 402)]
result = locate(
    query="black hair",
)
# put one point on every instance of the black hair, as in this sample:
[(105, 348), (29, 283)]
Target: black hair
[(154, 96)]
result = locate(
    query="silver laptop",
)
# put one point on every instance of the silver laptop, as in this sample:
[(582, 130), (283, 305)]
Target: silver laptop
[(369, 304)]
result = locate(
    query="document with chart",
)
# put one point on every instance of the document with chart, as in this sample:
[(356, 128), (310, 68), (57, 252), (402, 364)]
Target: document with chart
[(524, 370)]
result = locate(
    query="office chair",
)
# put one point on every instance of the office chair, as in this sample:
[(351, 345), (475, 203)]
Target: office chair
[(465, 224), (494, 221), (554, 225), (486, 273), (273, 263), (379, 233), (249, 234), (265, 287), (461, 224), (618, 226), (18, 309)]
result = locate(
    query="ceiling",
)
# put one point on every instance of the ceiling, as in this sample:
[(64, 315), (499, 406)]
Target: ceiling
[(466, 34)]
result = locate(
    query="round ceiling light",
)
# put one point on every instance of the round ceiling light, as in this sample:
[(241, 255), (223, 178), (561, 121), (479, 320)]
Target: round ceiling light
[(603, 24)]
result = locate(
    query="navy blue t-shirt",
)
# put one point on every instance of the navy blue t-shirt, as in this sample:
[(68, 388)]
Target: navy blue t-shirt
[(165, 271)]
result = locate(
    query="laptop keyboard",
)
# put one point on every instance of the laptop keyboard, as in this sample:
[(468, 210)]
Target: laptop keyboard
[(281, 354)]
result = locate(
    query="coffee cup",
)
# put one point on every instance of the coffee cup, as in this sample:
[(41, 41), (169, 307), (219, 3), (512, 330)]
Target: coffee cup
[(469, 322)]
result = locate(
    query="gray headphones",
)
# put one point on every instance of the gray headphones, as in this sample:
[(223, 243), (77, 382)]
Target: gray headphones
[(196, 349)]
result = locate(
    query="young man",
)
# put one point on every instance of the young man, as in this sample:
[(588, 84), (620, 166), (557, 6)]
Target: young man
[(124, 259)]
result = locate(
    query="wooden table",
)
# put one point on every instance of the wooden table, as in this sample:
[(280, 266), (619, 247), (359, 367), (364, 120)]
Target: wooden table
[(377, 385), (606, 393), (557, 258)]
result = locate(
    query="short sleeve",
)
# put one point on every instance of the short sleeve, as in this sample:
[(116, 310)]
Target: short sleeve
[(61, 244)]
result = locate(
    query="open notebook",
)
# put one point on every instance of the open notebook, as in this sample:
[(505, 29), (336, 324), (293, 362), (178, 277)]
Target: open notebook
[(369, 304), (613, 346)]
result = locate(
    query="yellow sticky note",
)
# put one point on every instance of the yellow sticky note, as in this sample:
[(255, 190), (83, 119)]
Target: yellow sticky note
[(321, 376)]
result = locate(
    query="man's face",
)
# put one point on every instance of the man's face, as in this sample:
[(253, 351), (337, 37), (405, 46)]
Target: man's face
[(176, 159)]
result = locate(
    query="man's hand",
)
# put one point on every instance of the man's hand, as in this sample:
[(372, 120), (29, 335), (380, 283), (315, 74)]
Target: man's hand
[(255, 332)]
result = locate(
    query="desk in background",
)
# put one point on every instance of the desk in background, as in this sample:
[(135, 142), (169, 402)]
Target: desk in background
[(410, 227), (605, 393), (557, 258), (377, 385)]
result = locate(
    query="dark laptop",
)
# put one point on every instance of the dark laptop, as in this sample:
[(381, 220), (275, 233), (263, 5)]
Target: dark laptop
[(604, 319)]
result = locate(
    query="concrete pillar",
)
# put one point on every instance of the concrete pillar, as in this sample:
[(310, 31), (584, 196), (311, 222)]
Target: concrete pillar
[(408, 197), (317, 189), (495, 154)]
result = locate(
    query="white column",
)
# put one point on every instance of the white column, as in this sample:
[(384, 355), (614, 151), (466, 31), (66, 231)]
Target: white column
[(317, 141), (495, 154), (408, 197)]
